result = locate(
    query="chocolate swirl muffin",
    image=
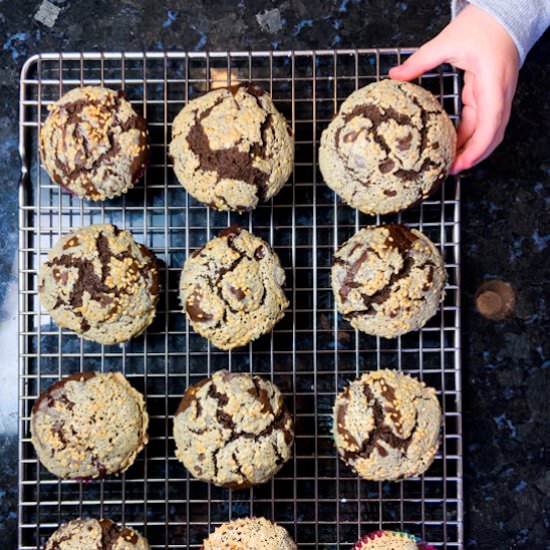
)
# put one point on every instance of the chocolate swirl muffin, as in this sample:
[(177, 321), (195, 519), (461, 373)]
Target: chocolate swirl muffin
[(233, 429), (386, 425), (391, 540), (94, 534), (100, 283), (232, 288), (388, 280), (231, 148), (93, 143), (89, 425), (249, 534), (390, 146)]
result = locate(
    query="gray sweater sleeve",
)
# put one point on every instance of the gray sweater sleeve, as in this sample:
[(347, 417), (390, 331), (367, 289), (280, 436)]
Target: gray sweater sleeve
[(525, 20)]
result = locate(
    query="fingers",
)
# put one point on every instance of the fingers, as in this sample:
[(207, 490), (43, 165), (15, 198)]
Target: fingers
[(430, 55), (468, 119), (468, 95), (491, 115), (467, 126)]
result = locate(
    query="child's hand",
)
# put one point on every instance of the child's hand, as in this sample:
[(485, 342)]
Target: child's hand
[(476, 42)]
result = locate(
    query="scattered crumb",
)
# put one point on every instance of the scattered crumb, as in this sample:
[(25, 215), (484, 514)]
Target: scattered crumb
[(270, 20), (219, 78), (47, 13)]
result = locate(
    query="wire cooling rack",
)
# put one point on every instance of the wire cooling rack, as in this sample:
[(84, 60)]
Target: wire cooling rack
[(310, 355)]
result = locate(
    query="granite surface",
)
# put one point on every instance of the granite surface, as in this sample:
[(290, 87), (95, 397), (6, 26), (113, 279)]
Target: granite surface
[(504, 225)]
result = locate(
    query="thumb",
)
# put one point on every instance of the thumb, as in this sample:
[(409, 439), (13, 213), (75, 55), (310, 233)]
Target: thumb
[(430, 55)]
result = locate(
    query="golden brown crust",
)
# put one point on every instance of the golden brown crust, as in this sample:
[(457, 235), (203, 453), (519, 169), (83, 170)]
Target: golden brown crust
[(93, 143), (100, 283), (231, 289), (89, 425), (390, 146), (249, 534), (386, 425), (92, 534), (388, 280), (231, 148), (233, 429), (391, 540)]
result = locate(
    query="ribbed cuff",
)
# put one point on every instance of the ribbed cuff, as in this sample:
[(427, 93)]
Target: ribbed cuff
[(520, 18)]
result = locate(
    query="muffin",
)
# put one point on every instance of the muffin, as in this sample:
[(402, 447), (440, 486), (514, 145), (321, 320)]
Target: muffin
[(233, 429), (232, 288), (249, 534), (100, 283), (231, 148), (388, 280), (390, 146), (386, 425), (93, 143), (391, 540), (94, 534), (89, 425)]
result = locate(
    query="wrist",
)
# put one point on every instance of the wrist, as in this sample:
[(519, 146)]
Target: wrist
[(502, 20)]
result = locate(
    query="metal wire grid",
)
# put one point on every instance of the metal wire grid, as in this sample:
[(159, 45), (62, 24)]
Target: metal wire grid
[(311, 353)]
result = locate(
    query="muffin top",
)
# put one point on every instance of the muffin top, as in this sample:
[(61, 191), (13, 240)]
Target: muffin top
[(94, 143), (233, 429), (100, 283), (386, 425), (391, 540), (231, 148), (249, 534), (89, 425), (232, 288), (388, 280), (389, 147), (93, 534)]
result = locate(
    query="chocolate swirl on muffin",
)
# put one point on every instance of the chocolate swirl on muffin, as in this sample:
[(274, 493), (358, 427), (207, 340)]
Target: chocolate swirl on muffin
[(89, 425), (231, 148), (249, 534), (233, 429), (232, 288), (388, 280), (102, 534), (390, 146), (93, 143), (100, 283), (386, 425)]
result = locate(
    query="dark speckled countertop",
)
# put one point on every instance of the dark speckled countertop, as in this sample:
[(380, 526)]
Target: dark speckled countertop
[(504, 226)]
